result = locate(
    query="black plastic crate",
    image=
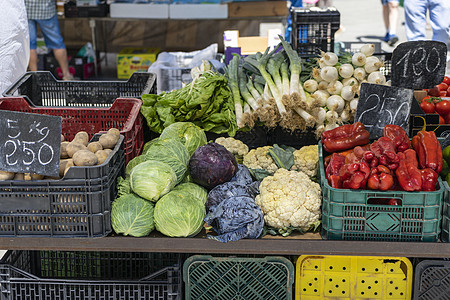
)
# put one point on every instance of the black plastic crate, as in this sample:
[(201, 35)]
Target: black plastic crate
[(71, 10), (296, 138), (41, 88), (432, 280), (313, 29), (253, 138), (61, 275), (78, 205)]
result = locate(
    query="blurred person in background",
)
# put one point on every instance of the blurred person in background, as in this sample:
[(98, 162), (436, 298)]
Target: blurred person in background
[(14, 43), (43, 13), (416, 19), (390, 18)]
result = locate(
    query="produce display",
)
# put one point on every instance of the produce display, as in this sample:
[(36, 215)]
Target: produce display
[(437, 101)]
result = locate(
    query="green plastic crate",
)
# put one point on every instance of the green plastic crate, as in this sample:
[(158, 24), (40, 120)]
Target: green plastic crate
[(237, 278), (445, 235), (349, 215)]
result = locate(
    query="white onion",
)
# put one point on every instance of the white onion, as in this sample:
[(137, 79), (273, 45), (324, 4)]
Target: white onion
[(360, 74), (350, 81), (331, 116), (331, 126), (330, 58), (320, 115), (316, 74), (367, 49), (372, 64), (310, 85), (345, 115), (358, 59), (376, 77), (354, 104), (335, 87), (321, 96), (323, 85), (346, 70), (321, 62), (347, 93), (329, 73), (335, 102)]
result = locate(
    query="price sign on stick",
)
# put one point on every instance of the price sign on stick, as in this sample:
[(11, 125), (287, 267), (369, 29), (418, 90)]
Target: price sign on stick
[(380, 105), (418, 65), (30, 143)]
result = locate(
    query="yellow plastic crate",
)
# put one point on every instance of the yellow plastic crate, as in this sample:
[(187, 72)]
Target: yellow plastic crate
[(352, 277)]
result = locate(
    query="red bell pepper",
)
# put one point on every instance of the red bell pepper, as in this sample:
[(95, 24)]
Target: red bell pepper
[(380, 178), (354, 176), (345, 137), (384, 150), (429, 179), (334, 165), (398, 136), (335, 181), (428, 149), (408, 175)]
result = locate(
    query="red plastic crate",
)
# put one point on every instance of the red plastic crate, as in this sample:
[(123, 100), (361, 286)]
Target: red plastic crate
[(123, 115)]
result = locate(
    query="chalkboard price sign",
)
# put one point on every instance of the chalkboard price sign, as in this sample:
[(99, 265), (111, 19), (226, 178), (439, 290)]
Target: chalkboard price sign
[(418, 65), (380, 105), (30, 143)]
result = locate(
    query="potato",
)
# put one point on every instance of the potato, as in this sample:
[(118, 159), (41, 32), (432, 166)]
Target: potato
[(108, 151), (68, 165), (27, 176), (108, 141), (82, 137), (94, 147), (36, 176), (64, 153), (63, 164), (62, 138), (5, 175), (73, 147), (115, 132), (102, 155), (84, 158), (19, 176)]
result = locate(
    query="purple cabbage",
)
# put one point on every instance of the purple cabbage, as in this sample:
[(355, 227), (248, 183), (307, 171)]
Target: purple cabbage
[(211, 165)]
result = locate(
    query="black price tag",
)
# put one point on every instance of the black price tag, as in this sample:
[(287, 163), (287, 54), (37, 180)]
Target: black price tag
[(380, 105), (30, 143), (418, 65)]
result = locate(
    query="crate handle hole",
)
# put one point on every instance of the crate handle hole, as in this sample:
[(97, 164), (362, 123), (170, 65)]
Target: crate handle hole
[(385, 201)]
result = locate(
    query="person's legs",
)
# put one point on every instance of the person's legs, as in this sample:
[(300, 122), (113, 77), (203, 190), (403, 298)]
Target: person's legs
[(33, 62), (393, 16), (416, 19), (440, 20), (54, 41)]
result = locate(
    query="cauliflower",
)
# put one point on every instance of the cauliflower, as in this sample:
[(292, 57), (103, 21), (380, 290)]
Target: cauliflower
[(236, 147), (290, 199), (306, 159), (260, 158)]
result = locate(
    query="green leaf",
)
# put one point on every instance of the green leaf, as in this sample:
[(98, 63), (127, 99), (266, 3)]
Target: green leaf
[(259, 174), (284, 158)]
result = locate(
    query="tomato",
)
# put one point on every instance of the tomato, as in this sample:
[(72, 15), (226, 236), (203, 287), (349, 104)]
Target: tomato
[(434, 91), (441, 120), (446, 80), (443, 86), (448, 92), (443, 93), (427, 107), (443, 107)]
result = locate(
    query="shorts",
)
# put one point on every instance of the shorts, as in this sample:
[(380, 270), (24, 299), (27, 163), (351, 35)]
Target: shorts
[(50, 29), (384, 2)]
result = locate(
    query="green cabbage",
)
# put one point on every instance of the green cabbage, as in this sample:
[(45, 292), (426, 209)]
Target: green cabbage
[(133, 163), (189, 134), (173, 153), (146, 145), (179, 214), (195, 190), (132, 215), (152, 179)]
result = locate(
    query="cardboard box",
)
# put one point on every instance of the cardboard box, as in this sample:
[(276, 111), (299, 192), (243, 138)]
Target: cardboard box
[(251, 44), (198, 11), (139, 10), (130, 60)]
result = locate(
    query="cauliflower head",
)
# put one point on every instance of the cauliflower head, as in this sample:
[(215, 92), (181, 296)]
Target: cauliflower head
[(236, 147), (306, 159), (290, 198), (260, 158)]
